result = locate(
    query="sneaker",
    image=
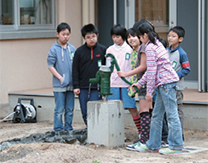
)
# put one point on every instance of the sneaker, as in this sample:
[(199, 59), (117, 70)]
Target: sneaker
[(167, 151), (144, 148), (164, 144), (132, 147)]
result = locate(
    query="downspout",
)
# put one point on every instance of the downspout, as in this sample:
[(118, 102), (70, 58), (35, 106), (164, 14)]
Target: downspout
[(203, 45), (115, 11), (199, 46)]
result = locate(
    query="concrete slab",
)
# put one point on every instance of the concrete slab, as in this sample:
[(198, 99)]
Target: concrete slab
[(188, 150)]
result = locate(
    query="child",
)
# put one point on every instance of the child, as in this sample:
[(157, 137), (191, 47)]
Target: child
[(87, 60), (160, 75), (135, 27), (164, 143), (138, 66), (122, 52), (59, 60), (180, 64)]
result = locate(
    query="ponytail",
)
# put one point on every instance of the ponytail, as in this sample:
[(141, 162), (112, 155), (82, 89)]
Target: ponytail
[(152, 36), (149, 29)]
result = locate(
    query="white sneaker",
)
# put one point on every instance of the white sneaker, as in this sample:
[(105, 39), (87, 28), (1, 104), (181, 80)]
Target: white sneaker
[(164, 144), (132, 147)]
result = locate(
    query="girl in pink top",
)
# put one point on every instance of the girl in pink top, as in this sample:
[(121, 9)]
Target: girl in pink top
[(122, 52)]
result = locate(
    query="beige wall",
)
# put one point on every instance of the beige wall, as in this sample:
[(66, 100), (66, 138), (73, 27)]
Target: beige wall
[(23, 63), (70, 11)]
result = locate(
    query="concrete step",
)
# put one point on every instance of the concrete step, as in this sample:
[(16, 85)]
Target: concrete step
[(195, 107), (44, 103)]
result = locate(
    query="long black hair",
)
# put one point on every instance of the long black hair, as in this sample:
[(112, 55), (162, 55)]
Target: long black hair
[(133, 33), (149, 30)]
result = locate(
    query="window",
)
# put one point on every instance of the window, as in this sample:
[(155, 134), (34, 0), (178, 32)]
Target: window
[(7, 12), (157, 12), (27, 18)]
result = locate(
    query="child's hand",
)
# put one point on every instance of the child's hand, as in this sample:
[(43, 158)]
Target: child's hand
[(149, 97), (136, 85), (61, 79), (121, 74), (77, 91)]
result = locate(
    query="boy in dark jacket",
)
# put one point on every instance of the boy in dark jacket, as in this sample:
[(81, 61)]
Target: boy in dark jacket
[(87, 60)]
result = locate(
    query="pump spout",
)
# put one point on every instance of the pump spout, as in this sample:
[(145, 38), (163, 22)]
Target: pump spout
[(95, 80)]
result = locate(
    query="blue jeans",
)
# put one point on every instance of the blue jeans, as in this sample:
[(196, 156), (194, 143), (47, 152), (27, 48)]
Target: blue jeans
[(64, 105), (165, 129), (122, 94), (165, 102), (86, 96)]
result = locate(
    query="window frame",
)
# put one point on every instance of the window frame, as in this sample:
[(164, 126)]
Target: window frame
[(18, 31)]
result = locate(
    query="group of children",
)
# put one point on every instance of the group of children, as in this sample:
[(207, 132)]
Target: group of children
[(143, 60)]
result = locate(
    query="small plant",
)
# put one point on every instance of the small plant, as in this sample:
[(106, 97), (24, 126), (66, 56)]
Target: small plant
[(95, 161)]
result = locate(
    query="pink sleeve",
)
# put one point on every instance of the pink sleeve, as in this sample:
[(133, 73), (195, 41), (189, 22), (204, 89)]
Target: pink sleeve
[(150, 74)]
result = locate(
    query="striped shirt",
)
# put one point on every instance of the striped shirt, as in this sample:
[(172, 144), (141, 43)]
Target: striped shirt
[(159, 68)]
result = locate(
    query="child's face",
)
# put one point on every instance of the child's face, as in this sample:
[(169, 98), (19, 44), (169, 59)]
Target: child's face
[(173, 39), (91, 39), (63, 36), (144, 38), (133, 41), (118, 40)]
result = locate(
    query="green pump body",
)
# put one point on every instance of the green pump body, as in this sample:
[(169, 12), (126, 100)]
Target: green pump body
[(103, 79)]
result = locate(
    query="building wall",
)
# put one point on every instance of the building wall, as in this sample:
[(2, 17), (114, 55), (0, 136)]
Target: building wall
[(70, 11), (190, 41), (105, 14), (23, 63)]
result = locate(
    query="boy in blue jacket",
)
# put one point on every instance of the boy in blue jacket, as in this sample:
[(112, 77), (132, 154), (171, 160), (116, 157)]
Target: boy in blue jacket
[(180, 64), (59, 60)]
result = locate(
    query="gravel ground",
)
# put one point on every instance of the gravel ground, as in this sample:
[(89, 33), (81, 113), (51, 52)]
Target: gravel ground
[(76, 153)]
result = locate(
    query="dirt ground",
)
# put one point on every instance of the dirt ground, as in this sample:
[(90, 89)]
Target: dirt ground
[(76, 153)]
